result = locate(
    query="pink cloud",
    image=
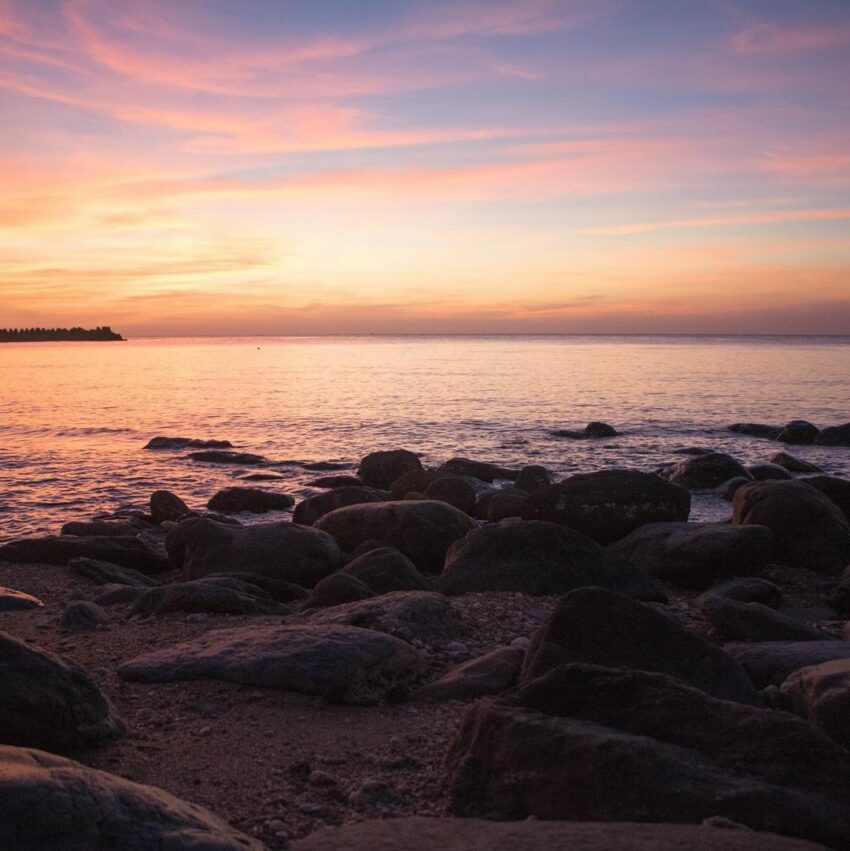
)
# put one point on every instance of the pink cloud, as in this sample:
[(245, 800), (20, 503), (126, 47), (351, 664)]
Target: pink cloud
[(765, 38)]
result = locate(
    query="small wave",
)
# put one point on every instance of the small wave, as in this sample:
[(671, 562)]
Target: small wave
[(85, 432)]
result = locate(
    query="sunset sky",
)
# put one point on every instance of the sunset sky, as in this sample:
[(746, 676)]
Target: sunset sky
[(261, 166)]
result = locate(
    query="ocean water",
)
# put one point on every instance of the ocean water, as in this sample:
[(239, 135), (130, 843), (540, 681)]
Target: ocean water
[(75, 417)]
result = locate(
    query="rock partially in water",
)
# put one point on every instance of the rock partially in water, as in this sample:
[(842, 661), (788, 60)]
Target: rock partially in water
[(799, 432), (532, 477), (763, 472), (381, 469), (594, 429), (15, 601), (216, 456), (186, 442), (309, 510), (834, 436), (48, 803), (756, 430), (124, 551), (50, 702), (339, 663), (103, 528), (702, 472), (167, 506), (335, 481), (598, 627), (793, 464), (727, 490), (254, 500), (482, 470)]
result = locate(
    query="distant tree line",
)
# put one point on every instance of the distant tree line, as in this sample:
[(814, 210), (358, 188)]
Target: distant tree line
[(34, 335)]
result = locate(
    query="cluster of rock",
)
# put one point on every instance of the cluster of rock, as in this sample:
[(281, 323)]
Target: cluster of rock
[(614, 711), (800, 432)]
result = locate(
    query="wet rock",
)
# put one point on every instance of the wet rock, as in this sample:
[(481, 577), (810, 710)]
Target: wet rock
[(336, 589), (14, 601), (455, 490), (770, 662), (794, 465), (707, 471), (451, 834), (809, 530), (756, 430), (492, 673), (339, 663), (255, 500), (385, 569), (496, 505), (532, 477), (411, 615), (167, 506), (220, 456), (48, 803), (478, 470), (799, 432), (323, 466), (422, 530), (747, 591), (381, 469), (184, 442), (214, 594), (50, 702), (535, 557), (106, 527), (283, 551), (834, 436), (736, 621), (594, 429), (60, 549), (413, 481), (727, 490), (106, 573), (838, 490), (309, 510), (763, 472), (82, 615), (609, 504), (662, 751), (335, 482), (696, 555), (598, 627), (821, 695)]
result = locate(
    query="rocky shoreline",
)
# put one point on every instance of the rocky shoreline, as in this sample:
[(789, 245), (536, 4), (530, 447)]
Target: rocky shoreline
[(526, 662)]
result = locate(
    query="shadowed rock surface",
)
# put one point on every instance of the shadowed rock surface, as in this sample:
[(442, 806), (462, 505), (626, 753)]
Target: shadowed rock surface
[(834, 436), (763, 472), (184, 442), (799, 432), (48, 803), (50, 702), (214, 594), (835, 488), (707, 471), (821, 695), (309, 510), (749, 590), (482, 470), (599, 627), (381, 469), (770, 662), (165, 505), (492, 673), (12, 600), (83, 615), (106, 573), (793, 464), (756, 430), (736, 621), (236, 499), (336, 589), (455, 490), (342, 664), (535, 557), (221, 456), (533, 476), (334, 481), (385, 569)]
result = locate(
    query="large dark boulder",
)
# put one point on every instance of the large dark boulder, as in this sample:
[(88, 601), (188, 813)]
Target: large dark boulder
[(381, 469), (49, 803), (809, 530), (799, 432), (124, 551), (598, 627), (106, 573), (499, 503), (334, 590), (455, 490), (165, 505), (838, 490), (283, 551), (532, 477), (414, 481), (47, 701), (707, 471), (423, 530), (600, 744), (608, 504), (540, 558), (756, 430), (770, 662), (255, 500), (834, 436), (309, 510), (385, 569), (696, 555), (339, 663), (214, 594), (762, 472), (482, 470)]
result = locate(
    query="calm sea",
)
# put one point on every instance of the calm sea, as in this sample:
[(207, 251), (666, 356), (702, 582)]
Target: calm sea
[(74, 417)]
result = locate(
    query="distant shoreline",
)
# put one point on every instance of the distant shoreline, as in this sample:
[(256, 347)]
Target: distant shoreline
[(102, 334)]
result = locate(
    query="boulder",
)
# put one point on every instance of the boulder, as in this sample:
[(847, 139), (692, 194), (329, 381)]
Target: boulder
[(696, 555), (455, 490), (309, 510), (283, 592), (727, 490), (117, 595), (763, 472), (493, 673), (598, 627), (184, 442), (414, 481), (381, 469), (49, 803), (339, 663), (834, 436), (748, 590), (385, 569), (14, 601), (335, 481), (482, 470), (539, 558), (61, 549), (83, 615), (214, 594), (809, 530), (756, 430), (794, 465), (701, 472), (799, 432), (821, 695), (589, 743), (220, 456), (450, 834), (531, 477), (594, 429), (254, 500), (336, 589), (167, 506), (283, 551), (50, 702), (496, 505), (838, 490), (608, 504), (106, 573), (770, 662), (411, 615), (111, 527), (736, 621), (422, 530)]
